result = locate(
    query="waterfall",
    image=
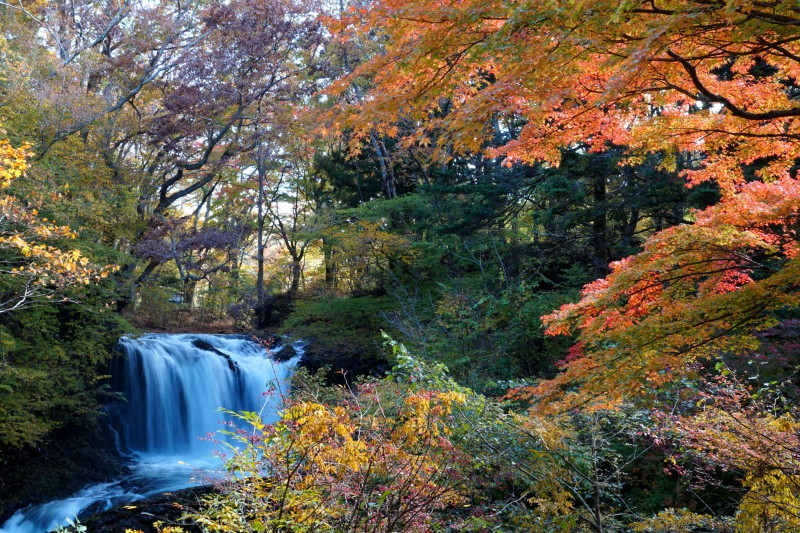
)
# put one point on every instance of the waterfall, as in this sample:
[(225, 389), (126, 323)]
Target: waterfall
[(174, 386)]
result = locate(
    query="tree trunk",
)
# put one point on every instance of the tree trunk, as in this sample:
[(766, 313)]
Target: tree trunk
[(599, 226), (632, 220), (387, 174), (189, 286), (260, 244), (598, 510), (330, 266), (296, 272)]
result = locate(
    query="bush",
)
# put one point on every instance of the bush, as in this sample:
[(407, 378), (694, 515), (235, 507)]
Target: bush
[(379, 461)]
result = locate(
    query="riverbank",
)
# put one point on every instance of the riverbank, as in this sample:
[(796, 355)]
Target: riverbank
[(69, 460), (150, 515)]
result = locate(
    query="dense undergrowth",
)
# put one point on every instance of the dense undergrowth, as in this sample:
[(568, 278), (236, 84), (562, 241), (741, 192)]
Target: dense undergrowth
[(414, 451)]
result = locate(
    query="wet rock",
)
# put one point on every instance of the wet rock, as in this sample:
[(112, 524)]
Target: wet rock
[(201, 344), (166, 509), (269, 341), (285, 353)]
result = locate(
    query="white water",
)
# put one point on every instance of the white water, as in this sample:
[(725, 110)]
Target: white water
[(175, 386)]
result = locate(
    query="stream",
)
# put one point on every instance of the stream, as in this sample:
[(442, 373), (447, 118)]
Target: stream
[(175, 385)]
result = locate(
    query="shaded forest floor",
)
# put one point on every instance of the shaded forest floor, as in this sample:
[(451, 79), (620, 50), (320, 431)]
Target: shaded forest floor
[(184, 321)]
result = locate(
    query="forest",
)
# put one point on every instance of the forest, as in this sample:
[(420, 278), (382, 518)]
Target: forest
[(544, 254)]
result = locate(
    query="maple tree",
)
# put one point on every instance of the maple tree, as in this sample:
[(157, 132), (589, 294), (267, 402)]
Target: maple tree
[(757, 442), (197, 252), (165, 98), (695, 291), (710, 79), (697, 76), (712, 88)]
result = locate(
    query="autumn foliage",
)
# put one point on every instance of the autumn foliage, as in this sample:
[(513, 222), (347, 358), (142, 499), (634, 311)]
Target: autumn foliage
[(41, 268), (695, 291), (363, 465), (672, 76), (709, 86), (449, 171)]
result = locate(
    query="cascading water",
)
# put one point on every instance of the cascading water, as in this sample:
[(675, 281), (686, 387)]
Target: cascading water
[(174, 386)]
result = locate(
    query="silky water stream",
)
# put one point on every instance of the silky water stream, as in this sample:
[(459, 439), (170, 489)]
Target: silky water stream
[(174, 386)]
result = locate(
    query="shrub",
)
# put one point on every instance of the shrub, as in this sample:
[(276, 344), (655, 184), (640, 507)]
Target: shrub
[(367, 464)]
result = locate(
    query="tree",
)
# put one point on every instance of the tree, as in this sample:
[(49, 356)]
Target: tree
[(36, 272), (99, 57), (223, 92), (712, 87), (197, 252), (696, 291), (169, 95), (711, 81), (684, 75)]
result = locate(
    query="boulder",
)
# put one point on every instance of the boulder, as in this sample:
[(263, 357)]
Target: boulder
[(200, 344)]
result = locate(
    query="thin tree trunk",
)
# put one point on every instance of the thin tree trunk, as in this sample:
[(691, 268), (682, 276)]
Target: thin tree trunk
[(599, 226), (598, 513), (330, 266), (189, 286), (260, 244), (296, 272)]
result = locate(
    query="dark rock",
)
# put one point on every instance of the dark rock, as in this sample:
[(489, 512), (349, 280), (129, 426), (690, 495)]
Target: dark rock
[(68, 460), (346, 361), (166, 508), (268, 340), (284, 354), (273, 341), (200, 344)]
